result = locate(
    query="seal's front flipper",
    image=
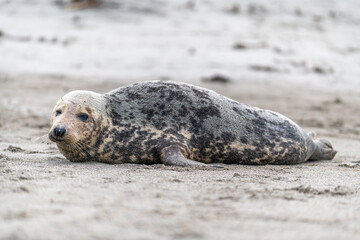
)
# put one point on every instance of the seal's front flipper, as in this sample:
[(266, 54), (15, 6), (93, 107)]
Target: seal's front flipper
[(172, 155)]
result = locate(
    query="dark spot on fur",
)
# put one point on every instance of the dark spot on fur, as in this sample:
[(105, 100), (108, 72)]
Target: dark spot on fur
[(133, 95), (183, 111), (201, 93), (237, 110), (162, 106), (243, 140), (228, 137), (205, 112), (148, 112)]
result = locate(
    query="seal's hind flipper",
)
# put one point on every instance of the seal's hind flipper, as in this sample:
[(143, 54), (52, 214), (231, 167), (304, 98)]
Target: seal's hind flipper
[(324, 150), (172, 155)]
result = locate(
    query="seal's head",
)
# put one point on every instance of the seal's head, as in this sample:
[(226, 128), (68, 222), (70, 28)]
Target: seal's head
[(76, 122)]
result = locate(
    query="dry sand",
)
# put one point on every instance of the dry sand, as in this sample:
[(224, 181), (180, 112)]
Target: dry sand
[(44, 196)]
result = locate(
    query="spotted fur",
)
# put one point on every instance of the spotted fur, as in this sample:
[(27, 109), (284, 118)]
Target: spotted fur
[(134, 123)]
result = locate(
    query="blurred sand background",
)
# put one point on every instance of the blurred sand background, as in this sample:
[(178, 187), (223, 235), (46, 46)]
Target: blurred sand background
[(299, 58)]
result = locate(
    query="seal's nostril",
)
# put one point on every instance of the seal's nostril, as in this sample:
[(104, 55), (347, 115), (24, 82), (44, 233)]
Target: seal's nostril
[(59, 131)]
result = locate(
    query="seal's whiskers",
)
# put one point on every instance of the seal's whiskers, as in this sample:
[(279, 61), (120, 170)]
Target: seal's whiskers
[(42, 139)]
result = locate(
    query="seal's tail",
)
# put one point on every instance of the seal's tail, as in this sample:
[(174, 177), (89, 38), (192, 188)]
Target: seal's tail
[(323, 149)]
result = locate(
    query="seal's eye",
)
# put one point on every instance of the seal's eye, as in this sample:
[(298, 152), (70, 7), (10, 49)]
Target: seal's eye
[(83, 117), (58, 112)]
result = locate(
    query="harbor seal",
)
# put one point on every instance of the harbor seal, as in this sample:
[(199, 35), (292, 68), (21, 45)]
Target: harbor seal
[(177, 124)]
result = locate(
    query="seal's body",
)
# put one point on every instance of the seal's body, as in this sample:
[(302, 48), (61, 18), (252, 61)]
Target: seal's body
[(178, 124)]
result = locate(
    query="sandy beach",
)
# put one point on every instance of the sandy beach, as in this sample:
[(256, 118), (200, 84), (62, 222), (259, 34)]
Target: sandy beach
[(301, 59)]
